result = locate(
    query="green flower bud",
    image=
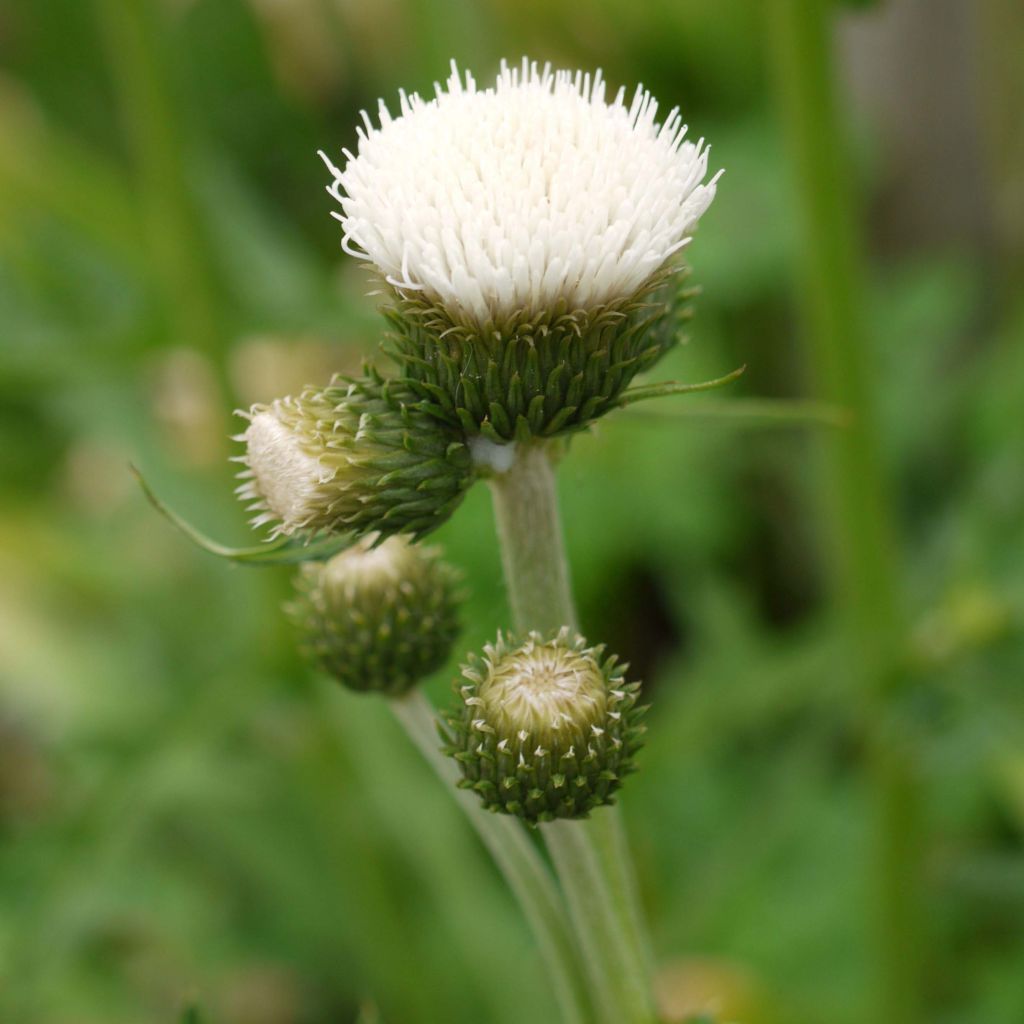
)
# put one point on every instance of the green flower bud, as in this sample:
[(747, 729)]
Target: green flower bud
[(546, 728), (359, 456), (534, 374), (379, 619)]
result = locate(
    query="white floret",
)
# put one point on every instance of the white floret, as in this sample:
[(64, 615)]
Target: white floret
[(283, 480), (512, 198)]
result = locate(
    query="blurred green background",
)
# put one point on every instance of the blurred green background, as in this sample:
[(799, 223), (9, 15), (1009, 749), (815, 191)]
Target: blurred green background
[(185, 810)]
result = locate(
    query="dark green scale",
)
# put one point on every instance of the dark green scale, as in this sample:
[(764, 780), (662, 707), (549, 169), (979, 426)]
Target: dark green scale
[(378, 632), (410, 471), (528, 769), (534, 375)]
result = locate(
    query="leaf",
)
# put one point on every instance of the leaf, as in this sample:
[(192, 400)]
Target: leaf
[(674, 387), (281, 551), (768, 412)]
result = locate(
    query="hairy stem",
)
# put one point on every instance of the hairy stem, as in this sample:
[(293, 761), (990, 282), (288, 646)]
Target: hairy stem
[(590, 857), (530, 534), (867, 566), (518, 860)]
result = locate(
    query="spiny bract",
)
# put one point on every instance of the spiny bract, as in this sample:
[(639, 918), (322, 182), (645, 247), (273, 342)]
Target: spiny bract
[(545, 728), (379, 619), (356, 457), (545, 376)]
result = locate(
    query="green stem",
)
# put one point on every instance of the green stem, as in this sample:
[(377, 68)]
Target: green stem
[(868, 570), (621, 991), (530, 535), (590, 857), (608, 834), (517, 858)]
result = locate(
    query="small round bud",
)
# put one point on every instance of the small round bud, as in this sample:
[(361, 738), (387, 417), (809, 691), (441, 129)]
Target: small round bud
[(379, 619), (546, 728), (359, 456)]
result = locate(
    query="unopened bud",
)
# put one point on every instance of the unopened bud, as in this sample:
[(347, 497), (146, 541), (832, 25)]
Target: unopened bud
[(358, 456), (546, 728), (378, 619)]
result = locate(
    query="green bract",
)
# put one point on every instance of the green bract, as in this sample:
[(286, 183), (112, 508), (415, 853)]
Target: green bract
[(545, 728), (379, 619), (356, 457), (533, 376)]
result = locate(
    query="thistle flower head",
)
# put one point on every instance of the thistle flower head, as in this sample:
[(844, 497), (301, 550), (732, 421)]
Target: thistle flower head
[(545, 728), (378, 618), (357, 456), (537, 192)]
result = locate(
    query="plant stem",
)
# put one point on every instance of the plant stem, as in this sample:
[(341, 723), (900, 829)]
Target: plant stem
[(530, 535), (518, 860), (868, 576), (590, 857)]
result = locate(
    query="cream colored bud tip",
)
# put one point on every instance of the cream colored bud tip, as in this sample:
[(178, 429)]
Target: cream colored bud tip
[(284, 479), (535, 190)]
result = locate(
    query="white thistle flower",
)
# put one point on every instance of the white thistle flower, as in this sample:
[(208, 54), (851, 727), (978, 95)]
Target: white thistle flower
[(532, 193)]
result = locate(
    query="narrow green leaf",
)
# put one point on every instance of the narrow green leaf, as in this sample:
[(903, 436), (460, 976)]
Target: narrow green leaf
[(674, 387), (282, 551), (769, 412)]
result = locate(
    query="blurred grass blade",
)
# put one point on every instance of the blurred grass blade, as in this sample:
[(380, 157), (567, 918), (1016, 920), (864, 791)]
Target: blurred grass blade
[(282, 551), (44, 169), (867, 542), (674, 387)]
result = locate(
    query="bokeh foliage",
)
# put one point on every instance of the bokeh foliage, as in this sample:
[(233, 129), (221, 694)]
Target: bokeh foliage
[(185, 808)]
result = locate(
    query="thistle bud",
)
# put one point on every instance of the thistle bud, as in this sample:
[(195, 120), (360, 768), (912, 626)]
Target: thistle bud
[(359, 456), (546, 728), (379, 619)]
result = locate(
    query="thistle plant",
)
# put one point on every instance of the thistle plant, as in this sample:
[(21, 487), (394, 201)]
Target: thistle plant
[(528, 242), (529, 238)]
